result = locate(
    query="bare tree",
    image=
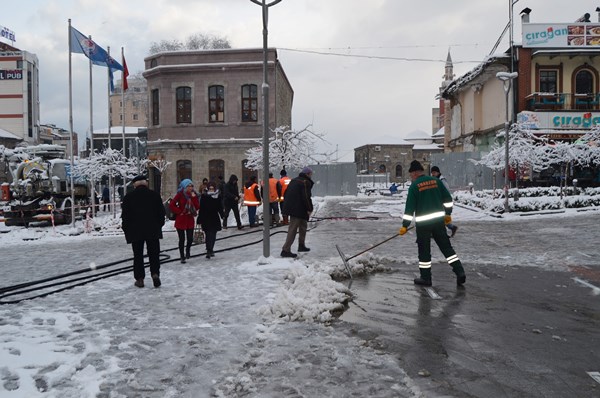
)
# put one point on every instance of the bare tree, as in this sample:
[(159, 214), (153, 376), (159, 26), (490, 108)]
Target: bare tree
[(198, 41)]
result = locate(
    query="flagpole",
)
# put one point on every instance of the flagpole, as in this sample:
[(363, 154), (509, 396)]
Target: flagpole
[(111, 181), (123, 99), (92, 180), (71, 129), (109, 124)]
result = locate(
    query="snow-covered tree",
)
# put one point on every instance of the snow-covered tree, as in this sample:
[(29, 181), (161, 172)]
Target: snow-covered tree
[(161, 165), (522, 150), (109, 163), (198, 41), (287, 149)]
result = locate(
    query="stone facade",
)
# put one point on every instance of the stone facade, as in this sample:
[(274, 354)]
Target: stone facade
[(210, 143)]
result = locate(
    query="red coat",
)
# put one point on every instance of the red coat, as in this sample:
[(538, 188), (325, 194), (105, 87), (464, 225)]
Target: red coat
[(184, 219)]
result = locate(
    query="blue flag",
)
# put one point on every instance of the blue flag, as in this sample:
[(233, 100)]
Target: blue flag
[(98, 55)]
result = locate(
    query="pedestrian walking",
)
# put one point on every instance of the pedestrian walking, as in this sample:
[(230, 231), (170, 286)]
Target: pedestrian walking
[(274, 194), (210, 216), (105, 197), (298, 206), (429, 205), (252, 199), (142, 218), (284, 181), (435, 171), (231, 200), (185, 205)]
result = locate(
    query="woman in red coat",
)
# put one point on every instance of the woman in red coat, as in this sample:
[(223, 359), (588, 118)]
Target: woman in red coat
[(185, 205)]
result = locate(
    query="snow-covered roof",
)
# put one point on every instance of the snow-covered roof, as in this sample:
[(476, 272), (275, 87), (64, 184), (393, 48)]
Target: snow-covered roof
[(417, 135), (427, 147), (439, 133), (457, 84), (119, 130), (8, 134)]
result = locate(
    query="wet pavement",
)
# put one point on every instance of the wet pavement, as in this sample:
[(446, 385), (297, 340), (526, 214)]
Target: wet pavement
[(526, 324)]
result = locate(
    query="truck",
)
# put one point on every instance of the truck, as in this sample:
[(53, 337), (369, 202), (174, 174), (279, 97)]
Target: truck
[(40, 186)]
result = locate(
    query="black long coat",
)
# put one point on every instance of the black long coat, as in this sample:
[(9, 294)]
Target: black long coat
[(297, 200), (142, 214), (231, 194), (211, 212)]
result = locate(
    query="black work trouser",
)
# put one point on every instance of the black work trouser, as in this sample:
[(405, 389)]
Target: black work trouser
[(153, 248), (437, 231)]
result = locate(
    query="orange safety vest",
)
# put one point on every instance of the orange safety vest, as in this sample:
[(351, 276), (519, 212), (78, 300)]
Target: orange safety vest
[(250, 198), (273, 190), (284, 181)]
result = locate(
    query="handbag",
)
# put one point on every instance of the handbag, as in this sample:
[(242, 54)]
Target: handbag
[(198, 235)]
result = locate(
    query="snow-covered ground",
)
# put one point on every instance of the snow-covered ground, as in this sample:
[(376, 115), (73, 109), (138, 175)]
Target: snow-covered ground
[(235, 325)]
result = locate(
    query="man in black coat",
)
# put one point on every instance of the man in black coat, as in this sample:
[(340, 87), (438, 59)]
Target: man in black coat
[(143, 215), (231, 200), (298, 205)]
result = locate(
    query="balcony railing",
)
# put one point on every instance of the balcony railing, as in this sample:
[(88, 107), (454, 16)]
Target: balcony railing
[(562, 101)]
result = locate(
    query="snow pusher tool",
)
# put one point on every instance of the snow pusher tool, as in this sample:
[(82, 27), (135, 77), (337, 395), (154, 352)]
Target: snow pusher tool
[(346, 259)]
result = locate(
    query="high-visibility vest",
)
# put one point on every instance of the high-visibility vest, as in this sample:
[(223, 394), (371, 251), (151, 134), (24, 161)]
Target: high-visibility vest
[(273, 190), (284, 181), (250, 198)]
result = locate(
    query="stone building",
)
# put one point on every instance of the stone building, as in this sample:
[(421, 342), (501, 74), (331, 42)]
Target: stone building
[(205, 111)]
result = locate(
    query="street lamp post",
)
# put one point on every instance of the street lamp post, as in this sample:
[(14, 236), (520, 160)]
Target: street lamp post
[(265, 138), (506, 78)]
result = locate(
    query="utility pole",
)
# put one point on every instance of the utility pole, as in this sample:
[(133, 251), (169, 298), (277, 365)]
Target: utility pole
[(265, 136)]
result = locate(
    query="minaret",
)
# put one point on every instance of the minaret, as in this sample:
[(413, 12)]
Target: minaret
[(444, 114)]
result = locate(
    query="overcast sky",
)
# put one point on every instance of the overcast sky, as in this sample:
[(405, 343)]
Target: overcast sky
[(382, 88)]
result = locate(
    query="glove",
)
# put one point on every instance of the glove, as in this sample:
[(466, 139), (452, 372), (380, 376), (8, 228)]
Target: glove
[(403, 230), (447, 220)]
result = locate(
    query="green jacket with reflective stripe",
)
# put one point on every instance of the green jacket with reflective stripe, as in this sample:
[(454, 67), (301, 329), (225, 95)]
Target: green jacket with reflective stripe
[(428, 201)]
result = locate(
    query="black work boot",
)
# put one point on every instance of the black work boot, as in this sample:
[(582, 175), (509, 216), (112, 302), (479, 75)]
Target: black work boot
[(425, 278), (302, 248), (422, 282), (461, 278)]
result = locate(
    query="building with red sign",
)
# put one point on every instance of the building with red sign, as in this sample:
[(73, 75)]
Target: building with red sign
[(19, 94), (556, 93)]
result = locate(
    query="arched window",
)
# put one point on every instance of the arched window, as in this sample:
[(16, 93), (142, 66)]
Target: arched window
[(584, 82), (153, 63), (249, 103), (183, 104), (216, 104), (184, 170), (216, 168), (398, 171)]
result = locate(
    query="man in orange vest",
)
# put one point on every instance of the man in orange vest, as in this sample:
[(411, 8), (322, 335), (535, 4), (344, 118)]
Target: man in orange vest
[(251, 199), (274, 195), (284, 181)]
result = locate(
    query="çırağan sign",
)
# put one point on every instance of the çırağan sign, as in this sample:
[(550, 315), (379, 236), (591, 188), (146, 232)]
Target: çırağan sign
[(569, 35), (559, 120)]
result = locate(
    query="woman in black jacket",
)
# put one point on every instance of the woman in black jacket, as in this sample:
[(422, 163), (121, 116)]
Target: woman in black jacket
[(210, 216), (231, 199)]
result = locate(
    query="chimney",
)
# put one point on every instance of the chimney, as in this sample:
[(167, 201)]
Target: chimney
[(525, 15)]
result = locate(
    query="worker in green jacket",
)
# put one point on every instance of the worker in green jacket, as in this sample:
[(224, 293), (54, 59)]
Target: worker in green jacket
[(429, 205)]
